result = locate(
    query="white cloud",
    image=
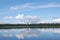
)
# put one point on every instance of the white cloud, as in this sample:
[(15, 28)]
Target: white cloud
[(8, 17), (22, 6), (49, 5), (28, 19), (24, 19), (15, 8), (33, 6), (54, 20), (57, 20), (20, 16)]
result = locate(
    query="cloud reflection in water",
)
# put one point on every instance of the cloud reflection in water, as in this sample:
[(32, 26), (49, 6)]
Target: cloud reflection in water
[(20, 33), (26, 32)]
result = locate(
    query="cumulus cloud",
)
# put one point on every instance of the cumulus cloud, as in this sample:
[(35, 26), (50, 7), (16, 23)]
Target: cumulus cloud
[(56, 20), (33, 6), (28, 19), (20, 16), (23, 19)]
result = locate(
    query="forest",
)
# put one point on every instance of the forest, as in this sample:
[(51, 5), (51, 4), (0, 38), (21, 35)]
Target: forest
[(14, 26)]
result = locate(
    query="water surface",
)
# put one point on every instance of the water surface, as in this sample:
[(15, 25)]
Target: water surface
[(30, 34)]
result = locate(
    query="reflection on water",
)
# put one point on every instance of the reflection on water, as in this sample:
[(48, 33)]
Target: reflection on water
[(30, 34)]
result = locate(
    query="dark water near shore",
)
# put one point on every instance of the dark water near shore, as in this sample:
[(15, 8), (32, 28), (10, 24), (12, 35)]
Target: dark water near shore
[(30, 34)]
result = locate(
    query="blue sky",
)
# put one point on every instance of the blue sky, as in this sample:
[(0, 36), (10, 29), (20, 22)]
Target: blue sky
[(45, 9)]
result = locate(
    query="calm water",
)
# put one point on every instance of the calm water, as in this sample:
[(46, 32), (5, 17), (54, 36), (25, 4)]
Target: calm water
[(30, 34)]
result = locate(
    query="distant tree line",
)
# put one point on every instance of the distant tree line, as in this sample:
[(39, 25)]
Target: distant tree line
[(46, 25)]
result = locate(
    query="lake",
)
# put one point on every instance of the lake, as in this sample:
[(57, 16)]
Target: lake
[(30, 34)]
